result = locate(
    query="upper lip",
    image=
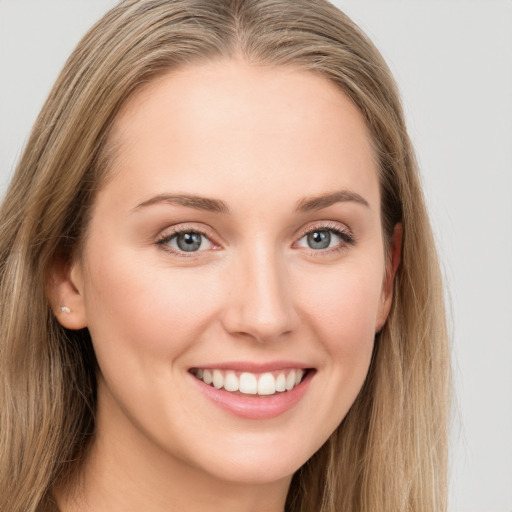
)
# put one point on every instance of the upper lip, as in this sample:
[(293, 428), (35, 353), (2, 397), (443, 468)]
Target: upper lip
[(253, 367)]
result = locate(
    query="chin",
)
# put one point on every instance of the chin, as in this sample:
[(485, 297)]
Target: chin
[(263, 473), (258, 463)]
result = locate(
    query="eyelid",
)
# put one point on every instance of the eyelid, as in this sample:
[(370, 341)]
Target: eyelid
[(327, 225), (172, 231), (338, 228), (346, 235)]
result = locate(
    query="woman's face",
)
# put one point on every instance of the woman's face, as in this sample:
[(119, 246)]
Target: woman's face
[(238, 239)]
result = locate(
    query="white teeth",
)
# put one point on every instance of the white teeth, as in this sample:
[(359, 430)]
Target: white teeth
[(231, 382), (290, 381), (207, 377), (248, 383), (281, 383), (264, 384), (218, 379)]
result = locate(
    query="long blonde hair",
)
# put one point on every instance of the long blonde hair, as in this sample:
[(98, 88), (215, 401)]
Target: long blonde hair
[(389, 453)]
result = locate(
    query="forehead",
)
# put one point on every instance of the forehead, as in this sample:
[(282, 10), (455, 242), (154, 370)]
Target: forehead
[(231, 124)]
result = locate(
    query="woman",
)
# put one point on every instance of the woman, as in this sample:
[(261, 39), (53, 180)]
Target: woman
[(219, 284)]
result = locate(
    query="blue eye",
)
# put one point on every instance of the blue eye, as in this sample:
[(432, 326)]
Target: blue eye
[(321, 239), (187, 241)]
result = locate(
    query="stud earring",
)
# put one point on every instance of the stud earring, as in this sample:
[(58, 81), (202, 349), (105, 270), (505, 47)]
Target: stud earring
[(65, 309)]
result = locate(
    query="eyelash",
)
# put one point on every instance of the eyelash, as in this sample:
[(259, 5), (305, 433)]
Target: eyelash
[(346, 236), (167, 237)]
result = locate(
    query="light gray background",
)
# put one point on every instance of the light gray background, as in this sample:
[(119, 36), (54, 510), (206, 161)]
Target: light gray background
[(453, 62)]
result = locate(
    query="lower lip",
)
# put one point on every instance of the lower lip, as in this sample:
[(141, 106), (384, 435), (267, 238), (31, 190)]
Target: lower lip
[(256, 407)]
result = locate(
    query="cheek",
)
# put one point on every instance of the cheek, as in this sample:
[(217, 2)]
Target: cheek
[(152, 314), (344, 306), (340, 312)]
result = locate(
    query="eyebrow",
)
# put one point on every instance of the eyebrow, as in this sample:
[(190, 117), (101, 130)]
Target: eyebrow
[(304, 205), (190, 201), (326, 200)]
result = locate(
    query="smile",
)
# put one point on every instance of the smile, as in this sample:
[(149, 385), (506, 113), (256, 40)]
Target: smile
[(248, 383)]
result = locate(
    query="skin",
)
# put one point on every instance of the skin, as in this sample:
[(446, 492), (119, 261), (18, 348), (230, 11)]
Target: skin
[(262, 140)]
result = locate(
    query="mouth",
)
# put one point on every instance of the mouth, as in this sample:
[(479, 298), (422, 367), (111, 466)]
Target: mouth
[(251, 383)]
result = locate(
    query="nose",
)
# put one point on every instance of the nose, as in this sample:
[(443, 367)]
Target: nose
[(260, 306)]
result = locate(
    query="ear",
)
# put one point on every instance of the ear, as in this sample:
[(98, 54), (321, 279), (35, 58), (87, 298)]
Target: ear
[(393, 259), (64, 289)]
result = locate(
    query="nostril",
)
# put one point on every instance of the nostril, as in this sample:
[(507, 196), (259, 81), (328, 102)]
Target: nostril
[(244, 323)]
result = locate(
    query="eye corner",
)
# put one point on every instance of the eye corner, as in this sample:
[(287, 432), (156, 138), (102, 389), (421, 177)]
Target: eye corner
[(187, 241), (325, 238)]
